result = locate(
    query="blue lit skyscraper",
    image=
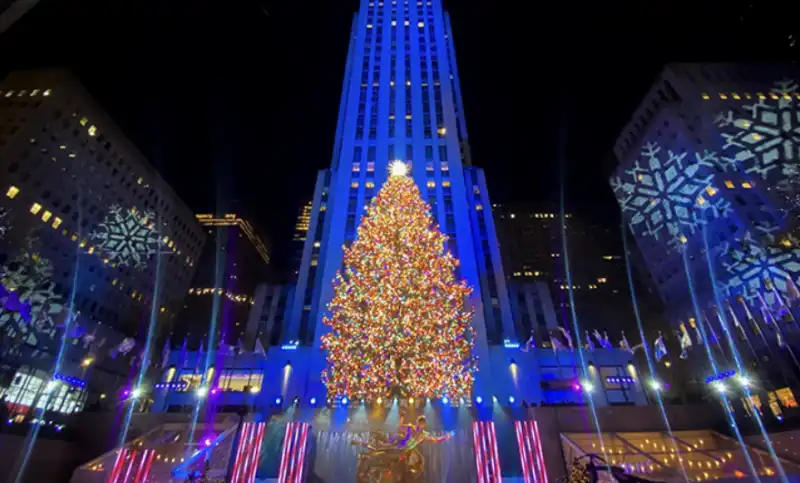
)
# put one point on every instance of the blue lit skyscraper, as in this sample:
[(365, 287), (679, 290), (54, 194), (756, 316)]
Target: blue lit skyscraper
[(401, 100)]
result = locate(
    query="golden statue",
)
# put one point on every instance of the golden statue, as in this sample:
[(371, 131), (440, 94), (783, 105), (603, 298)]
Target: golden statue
[(395, 458)]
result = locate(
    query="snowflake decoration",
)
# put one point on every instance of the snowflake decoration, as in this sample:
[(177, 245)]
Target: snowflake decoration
[(667, 193), (749, 264), (765, 138), (127, 237), (5, 221), (30, 275)]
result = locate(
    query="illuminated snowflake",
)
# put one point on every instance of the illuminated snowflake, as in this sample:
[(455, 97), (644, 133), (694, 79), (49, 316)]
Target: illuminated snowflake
[(31, 275), (127, 237), (667, 193), (765, 138), (749, 264)]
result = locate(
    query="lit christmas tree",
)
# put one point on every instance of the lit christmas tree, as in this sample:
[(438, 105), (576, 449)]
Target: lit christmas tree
[(399, 318)]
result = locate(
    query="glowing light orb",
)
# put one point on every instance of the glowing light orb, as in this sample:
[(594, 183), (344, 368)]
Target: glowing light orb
[(398, 168)]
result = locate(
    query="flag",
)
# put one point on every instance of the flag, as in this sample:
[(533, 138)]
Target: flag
[(89, 338), (259, 348), (784, 313), (750, 319), (529, 344), (697, 333), (714, 337), (602, 339), (184, 359), (240, 347), (123, 347), (792, 293), (686, 341), (624, 345), (165, 352), (736, 323), (606, 341), (557, 345), (568, 336), (659, 348), (589, 342)]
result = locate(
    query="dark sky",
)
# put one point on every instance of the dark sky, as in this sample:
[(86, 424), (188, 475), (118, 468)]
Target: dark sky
[(235, 102)]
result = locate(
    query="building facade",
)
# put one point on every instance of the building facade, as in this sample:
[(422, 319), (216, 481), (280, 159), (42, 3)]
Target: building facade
[(401, 100), (531, 243), (232, 265), (707, 184), (88, 228), (299, 237)]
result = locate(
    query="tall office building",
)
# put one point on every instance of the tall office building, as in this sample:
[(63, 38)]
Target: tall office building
[(532, 247), (401, 100), (299, 238), (233, 263), (87, 224), (707, 183)]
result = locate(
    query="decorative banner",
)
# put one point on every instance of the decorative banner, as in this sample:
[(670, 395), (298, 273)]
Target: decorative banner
[(530, 452), (294, 453), (487, 457), (248, 452), (132, 466)]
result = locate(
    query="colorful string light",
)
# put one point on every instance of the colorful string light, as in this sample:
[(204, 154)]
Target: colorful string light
[(399, 318)]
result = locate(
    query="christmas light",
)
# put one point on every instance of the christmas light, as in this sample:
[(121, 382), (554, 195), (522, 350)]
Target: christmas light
[(399, 318)]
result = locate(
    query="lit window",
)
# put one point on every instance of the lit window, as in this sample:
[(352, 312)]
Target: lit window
[(47, 93), (404, 23), (479, 207), (139, 181), (757, 137), (12, 192), (356, 167), (56, 222), (369, 184), (370, 166), (92, 130), (711, 190), (394, 23), (369, 25), (735, 95), (34, 92), (408, 116), (700, 200), (62, 147), (747, 185), (90, 250), (442, 131), (431, 184), (786, 397), (314, 263), (84, 121), (683, 239), (421, 24), (11, 93), (35, 208), (729, 184), (722, 96), (114, 282), (46, 216), (316, 244), (354, 184), (706, 96), (445, 166), (446, 183)]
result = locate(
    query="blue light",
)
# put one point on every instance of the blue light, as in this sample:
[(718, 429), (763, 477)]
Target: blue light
[(511, 399), (478, 399), (509, 344), (278, 400), (345, 401), (290, 346), (313, 401), (720, 376), (445, 400)]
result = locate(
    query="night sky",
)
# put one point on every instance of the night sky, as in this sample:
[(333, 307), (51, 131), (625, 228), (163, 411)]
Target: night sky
[(235, 102)]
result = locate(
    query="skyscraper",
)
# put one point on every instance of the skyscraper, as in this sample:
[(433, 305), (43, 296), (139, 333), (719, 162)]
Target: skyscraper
[(401, 100), (707, 184), (88, 226), (299, 238), (232, 265)]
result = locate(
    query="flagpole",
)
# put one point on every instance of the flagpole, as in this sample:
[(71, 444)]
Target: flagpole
[(777, 329)]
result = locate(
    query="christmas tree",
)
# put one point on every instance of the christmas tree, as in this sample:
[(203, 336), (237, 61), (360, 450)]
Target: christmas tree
[(399, 317)]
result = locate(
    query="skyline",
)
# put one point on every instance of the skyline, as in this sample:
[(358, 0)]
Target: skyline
[(246, 101)]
